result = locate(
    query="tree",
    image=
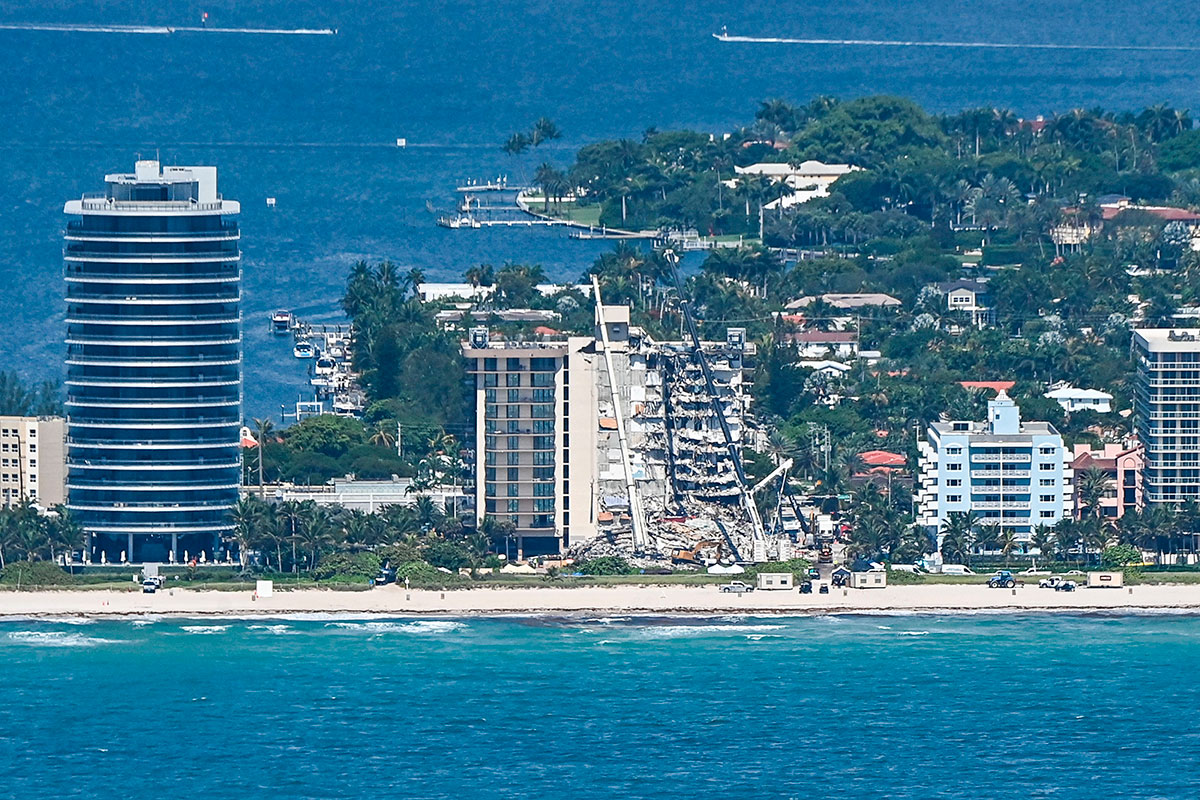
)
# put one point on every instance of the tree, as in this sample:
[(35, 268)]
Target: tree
[(263, 428), (1092, 484)]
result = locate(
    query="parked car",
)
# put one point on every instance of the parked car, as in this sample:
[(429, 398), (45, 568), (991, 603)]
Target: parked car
[(1034, 571), (806, 587), (737, 587), (1065, 586), (1050, 583), (1002, 580), (149, 586)]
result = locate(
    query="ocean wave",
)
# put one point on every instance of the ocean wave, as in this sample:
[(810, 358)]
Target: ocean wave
[(57, 639), (276, 630), (913, 633), (674, 631), (205, 630), (424, 626)]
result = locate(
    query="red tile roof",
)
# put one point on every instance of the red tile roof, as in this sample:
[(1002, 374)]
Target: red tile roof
[(882, 458), (995, 386)]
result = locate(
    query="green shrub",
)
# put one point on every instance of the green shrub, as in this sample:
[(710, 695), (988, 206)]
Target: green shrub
[(34, 573), (898, 577), (347, 565), (443, 553), (417, 571)]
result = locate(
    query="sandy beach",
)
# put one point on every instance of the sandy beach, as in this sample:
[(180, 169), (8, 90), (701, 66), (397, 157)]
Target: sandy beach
[(394, 600)]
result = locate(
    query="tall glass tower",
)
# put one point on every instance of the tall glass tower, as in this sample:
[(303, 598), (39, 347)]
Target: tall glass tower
[(154, 380)]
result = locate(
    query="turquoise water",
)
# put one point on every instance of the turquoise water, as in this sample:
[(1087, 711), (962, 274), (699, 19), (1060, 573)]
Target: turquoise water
[(313, 121), (896, 706)]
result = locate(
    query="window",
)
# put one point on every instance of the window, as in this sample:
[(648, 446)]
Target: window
[(514, 443), (514, 395), (513, 364), (489, 365), (543, 443), (512, 379), (514, 506), (514, 426), (512, 412), (489, 395), (490, 474), (513, 474), (953, 450), (543, 490), (1046, 467), (1045, 481), (544, 504), (1045, 498), (543, 426), (954, 467), (954, 482), (1047, 515), (514, 490), (1047, 451), (954, 498), (490, 379), (513, 458)]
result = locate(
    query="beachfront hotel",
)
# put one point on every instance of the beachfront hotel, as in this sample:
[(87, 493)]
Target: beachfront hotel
[(153, 364), (1009, 472), (1167, 412)]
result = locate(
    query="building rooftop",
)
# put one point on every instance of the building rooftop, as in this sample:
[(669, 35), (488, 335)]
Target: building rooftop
[(1168, 340), (848, 301), (1076, 393)]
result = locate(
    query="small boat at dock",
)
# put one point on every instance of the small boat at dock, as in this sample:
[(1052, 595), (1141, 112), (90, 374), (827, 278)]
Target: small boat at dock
[(304, 349), (282, 321)]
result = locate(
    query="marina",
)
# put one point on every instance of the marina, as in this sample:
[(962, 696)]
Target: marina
[(328, 352)]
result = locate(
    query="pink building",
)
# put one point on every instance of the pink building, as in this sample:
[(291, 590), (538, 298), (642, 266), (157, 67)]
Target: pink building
[(1123, 463)]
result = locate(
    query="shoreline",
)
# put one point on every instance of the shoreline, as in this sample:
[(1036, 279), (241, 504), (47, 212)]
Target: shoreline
[(664, 600)]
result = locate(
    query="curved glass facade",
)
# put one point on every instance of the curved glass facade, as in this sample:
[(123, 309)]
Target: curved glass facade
[(153, 364)]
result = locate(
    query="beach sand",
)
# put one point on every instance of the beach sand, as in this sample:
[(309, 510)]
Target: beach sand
[(395, 600)]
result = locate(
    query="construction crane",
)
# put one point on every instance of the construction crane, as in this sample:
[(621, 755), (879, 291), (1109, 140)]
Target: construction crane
[(783, 467), (735, 454)]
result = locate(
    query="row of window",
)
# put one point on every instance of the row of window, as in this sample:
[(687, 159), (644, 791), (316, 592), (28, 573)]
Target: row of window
[(9, 477), (515, 379), (956, 450), (16, 448), (514, 396), (17, 432), (16, 462)]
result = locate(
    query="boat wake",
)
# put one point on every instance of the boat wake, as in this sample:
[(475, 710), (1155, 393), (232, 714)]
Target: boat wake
[(727, 37), (161, 30)]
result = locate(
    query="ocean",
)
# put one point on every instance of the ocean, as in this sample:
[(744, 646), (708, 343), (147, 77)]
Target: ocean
[(1030, 706), (312, 121)]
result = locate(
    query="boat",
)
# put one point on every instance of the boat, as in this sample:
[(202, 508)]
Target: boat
[(304, 349), (461, 221), (282, 321), (325, 365)]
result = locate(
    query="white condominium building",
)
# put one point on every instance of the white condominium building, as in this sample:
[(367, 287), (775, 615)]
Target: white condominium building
[(1008, 472), (1167, 412)]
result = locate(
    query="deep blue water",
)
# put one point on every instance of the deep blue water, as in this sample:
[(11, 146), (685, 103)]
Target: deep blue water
[(889, 706), (310, 120)]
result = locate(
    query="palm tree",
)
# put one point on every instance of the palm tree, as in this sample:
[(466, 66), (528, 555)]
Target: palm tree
[(319, 532), (415, 278), (1092, 484), (245, 516), (262, 429)]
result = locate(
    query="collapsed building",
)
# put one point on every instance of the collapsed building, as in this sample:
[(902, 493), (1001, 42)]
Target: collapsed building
[(647, 444)]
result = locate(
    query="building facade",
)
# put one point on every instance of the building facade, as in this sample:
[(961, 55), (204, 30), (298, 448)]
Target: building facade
[(153, 272), (32, 461), (1122, 464), (1167, 412), (1008, 472), (522, 434)]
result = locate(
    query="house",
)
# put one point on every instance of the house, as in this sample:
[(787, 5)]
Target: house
[(834, 369), (1123, 464), (970, 297), (1073, 399), (883, 470), (847, 302), (1078, 226), (824, 344), (995, 386), (808, 180)]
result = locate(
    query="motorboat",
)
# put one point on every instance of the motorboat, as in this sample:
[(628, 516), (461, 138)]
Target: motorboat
[(325, 365), (282, 321), (304, 349)]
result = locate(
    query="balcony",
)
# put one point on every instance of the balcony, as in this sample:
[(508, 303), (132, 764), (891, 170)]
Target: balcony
[(1007, 458), (1000, 473), (992, 505)]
